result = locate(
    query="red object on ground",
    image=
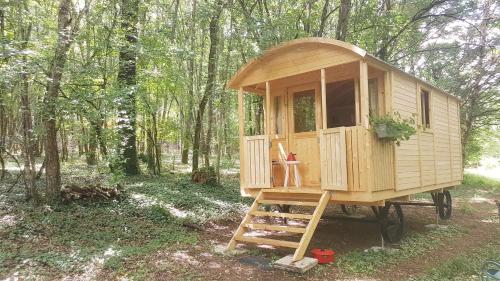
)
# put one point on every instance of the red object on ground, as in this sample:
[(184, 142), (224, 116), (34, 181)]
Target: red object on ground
[(323, 255), (291, 157)]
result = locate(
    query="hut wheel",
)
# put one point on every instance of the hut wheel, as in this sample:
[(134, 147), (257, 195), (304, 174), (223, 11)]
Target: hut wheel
[(444, 205), (349, 210), (391, 222)]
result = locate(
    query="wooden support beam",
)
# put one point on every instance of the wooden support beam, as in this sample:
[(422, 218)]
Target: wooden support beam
[(311, 227), (267, 241), (281, 215), (323, 99), (284, 202), (363, 93), (269, 227), (356, 101), (241, 228), (388, 91), (267, 115), (241, 119)]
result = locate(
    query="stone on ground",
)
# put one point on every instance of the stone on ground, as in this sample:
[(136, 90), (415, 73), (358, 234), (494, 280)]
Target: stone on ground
[(286, 263), (222, 250), (434, 226)]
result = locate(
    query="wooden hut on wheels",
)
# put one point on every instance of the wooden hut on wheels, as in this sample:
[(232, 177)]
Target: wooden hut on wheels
[(318, 97)]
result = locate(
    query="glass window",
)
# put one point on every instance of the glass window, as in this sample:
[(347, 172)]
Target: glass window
[(340, 104), (304, 111), (278, 115), (424, 105), (373, 95)]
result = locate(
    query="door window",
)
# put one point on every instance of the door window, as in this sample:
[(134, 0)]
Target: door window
[(304, 116)]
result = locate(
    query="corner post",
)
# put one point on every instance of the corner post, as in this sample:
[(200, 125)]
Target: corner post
[(268, 109), (363, 92), (388, 91), (241, 118), (323, 99)]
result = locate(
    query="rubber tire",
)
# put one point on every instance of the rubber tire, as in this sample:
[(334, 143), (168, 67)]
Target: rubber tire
[(445, 205), (385, 223)]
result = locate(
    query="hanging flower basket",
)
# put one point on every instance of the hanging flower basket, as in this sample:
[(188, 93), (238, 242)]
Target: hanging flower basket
[(393, 128), (382, 131)]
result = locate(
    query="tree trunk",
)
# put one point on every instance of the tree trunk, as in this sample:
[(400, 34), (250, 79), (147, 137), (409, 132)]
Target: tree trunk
[(208, 138), (3, 121), (188, 116), (211, 70), (52, 168), (28, 140), (343, 21), (128, 84), (324, 18), (92, 138)]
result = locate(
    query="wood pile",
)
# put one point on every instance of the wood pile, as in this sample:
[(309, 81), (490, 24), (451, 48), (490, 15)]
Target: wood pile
[(74, 192)]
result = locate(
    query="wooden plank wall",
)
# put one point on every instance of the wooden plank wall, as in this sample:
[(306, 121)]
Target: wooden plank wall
[(257, 163), (333, 159), (382, 163), (373, 175), (407, 159), (441, 138), (427, 169), (432, 156), (455, 140)]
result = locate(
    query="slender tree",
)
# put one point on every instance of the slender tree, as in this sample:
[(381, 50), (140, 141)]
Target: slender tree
[(211, 76), (128, 85), (65, 32)]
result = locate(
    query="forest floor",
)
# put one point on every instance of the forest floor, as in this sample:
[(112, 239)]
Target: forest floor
[(165, 228)]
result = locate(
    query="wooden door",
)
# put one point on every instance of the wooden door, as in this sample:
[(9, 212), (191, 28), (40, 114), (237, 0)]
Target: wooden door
[(304, 117)]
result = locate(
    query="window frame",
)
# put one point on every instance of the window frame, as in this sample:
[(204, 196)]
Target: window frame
[(423, 127)]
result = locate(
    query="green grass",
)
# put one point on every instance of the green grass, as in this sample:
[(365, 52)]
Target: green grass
[(58, 240), (473, 185), (202, 202), (360, 262), (65, 239), (464, 267)]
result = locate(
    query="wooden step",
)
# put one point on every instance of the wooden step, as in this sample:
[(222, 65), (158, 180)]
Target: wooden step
[(281, 215), (267, 241), (283, 202), (281, 190), (261, 226)]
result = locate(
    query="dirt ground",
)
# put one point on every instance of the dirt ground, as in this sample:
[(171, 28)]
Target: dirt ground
[(200, 263)]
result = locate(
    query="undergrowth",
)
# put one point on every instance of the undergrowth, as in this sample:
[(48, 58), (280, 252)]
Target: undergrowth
[(361, 262), (54, 241), (463, 267)]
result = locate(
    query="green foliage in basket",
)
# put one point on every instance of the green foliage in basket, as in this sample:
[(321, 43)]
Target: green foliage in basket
[(393, 127)]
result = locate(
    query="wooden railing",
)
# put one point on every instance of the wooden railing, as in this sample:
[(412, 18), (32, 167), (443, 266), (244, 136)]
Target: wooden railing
[(369, 161), (333, 159), (256, 162)]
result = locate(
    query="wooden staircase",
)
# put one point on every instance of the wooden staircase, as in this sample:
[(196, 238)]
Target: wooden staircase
[(305, 232)]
